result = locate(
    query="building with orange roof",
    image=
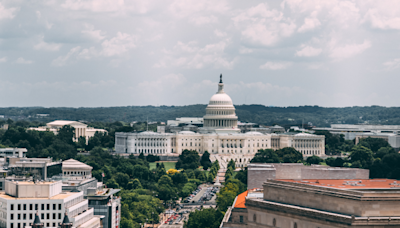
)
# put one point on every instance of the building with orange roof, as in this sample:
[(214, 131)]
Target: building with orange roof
[(324, 203)]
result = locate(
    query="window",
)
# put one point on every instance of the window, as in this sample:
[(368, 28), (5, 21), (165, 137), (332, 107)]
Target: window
[(12, 216), (19, 225), (254, 218), (48, 206), (47, 216), (59, 206), (274, 222), (295, 225), (12, 225), (241, 219), (59, 215), (30, 216), (30, 206), (43, 207), (12, 207), (47, 224), (24, 216), (54, 206), (54, 224), (19, 207), (24, 206), (19, 216), (36, 207), (54, 215), (42, 216)]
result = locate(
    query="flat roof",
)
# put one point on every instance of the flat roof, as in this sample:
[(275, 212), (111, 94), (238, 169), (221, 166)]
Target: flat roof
[(251, 193), (58, 196), (349, 183)]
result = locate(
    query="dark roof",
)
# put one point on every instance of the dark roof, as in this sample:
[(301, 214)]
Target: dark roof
[(75, 190)]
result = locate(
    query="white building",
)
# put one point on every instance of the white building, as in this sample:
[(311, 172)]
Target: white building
[(22, 200), (220, 136), (13, 152), (81, 129)]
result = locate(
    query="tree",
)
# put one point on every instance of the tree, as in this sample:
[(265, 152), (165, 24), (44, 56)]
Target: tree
[(206, 218), (242, 176), (141, 156), (189, 159), (374, 143), (361, 157), (289, 155), (81, 142), (314, 160), (66, 134), (134, 184), (205, 160), (384, 151), (265, 156), (335, 162)]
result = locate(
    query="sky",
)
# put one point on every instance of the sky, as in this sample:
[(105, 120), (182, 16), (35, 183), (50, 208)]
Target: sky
[(100, 53)]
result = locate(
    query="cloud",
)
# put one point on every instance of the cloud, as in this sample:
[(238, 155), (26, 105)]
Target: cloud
[(118, 44), (190, 55), (382, 14), (3, 60), (308, 51), (21, 60), (63, 60), (392, 64), (348, 50), (92, 33), (309, 24), (263, 26), (41, 45), (94, 5), (219, 33), (7, 13), (275, 65)]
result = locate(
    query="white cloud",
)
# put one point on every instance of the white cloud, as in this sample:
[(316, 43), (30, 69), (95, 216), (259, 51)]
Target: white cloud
[(190, 55), (3, 60), (392, 64), (308, 51), (63, 60), (21, 60), (309, 24), (243, 50), (118, 44), (347, 51), (94, 5), (92, 33), (7, 13), (41, 45), (382, 14), (219, 33), (264, 26), (275, 65)]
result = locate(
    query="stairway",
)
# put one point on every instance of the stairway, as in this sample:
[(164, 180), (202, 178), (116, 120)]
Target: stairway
[(222, 167)]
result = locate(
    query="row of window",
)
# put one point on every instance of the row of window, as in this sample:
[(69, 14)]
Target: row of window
[(74, 173), (43, 206), (22, 225), (31, 215)]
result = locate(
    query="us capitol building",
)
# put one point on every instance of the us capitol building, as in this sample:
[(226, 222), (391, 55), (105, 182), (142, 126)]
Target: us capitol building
[(220, 136)]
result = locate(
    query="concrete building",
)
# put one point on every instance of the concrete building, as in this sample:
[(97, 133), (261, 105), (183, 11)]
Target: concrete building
[(220, 136), (21, 200), (258, 173), (350, 131), (13, 152), (81, 129), (318, 203), (41, 168), (105, 203)]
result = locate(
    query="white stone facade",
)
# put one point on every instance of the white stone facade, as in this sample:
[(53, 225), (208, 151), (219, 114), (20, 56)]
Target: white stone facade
[(219, 136), (21, 200)]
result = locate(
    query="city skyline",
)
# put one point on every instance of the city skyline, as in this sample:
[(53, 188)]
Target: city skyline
[(120, 53)]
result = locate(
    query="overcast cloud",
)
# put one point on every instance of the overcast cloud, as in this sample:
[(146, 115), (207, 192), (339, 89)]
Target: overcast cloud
[(118, 52)]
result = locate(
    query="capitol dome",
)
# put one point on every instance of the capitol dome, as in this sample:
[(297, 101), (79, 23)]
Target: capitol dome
[(220, 112)]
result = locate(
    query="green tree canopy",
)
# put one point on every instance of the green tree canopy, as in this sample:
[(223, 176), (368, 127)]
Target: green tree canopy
[(265, 156)]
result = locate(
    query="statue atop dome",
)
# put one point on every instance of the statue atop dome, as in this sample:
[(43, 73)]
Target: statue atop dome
[(220, 79)]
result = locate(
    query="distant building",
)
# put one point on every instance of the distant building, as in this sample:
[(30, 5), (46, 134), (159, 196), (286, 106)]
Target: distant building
[(13, 152), (218, 133), (22, 200), (392, 139), (258, 173), (81, 129), (350, 131), (317, 203)]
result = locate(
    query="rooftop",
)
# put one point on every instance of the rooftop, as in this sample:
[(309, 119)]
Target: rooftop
[(350, 183), (74, 164), (240, 201), (62, 195)]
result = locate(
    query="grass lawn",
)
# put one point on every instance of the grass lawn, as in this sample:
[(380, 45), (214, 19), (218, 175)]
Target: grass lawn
[(168, 165)]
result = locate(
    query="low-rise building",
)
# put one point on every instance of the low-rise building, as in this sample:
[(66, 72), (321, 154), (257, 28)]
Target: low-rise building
[(318, 203), (258, 173), (81, 129), (22, 200), (13, 152)]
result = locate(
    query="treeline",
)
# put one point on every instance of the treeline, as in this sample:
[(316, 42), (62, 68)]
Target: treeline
[(285, 116)]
